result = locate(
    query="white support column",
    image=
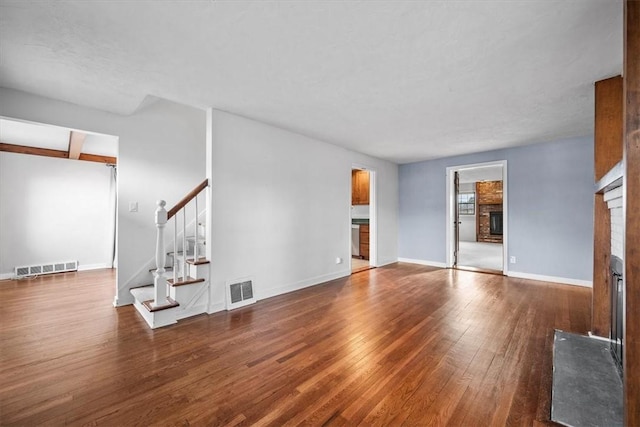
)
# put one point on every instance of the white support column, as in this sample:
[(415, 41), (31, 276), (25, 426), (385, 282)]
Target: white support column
[(160, 282)]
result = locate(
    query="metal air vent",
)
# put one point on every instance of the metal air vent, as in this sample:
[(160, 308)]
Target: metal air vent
[(48, 268), (240, 294)]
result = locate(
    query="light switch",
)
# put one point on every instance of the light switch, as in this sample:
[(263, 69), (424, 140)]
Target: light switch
[(133, 206)]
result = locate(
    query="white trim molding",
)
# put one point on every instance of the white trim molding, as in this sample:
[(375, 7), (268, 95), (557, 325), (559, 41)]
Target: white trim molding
[(386, 262), (553, 279), (311, 281), (423, 262), (86, 267), (598, 337)]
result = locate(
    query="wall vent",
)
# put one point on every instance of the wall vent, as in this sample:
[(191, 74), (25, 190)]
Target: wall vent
[(49, 268), (240, 293)]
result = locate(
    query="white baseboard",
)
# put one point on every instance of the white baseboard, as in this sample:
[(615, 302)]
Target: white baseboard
[(7, 276), (423, 262), (123, 298), (553, 279), (93, 267), (387, 262), (215, 308), (312, 281)]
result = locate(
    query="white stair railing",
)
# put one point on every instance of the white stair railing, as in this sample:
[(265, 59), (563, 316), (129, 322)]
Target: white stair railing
[(161, 218), (181, 206)]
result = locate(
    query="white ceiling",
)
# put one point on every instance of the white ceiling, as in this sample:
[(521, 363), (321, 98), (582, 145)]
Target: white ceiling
[(401, 80), (31, 134)]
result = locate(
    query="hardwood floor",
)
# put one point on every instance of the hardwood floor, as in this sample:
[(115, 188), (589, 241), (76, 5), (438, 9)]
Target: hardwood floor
[(402, 344)]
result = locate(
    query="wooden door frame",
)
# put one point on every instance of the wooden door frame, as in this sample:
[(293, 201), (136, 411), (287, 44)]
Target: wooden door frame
[(373, 220), (450, 209)]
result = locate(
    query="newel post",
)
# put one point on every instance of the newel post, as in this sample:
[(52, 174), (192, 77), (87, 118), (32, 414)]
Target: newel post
[(160, 282)]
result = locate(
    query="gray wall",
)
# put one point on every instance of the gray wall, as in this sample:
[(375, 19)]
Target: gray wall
[(550, 196)]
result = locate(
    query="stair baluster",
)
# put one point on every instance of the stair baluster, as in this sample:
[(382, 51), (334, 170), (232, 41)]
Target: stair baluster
[(184, 244), (175, 249), (195, 233)]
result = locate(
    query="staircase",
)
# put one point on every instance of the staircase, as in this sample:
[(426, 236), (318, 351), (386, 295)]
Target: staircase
[(186, 292)]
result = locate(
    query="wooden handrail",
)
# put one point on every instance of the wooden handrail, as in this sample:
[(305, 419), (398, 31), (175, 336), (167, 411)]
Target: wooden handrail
[(186, 199)]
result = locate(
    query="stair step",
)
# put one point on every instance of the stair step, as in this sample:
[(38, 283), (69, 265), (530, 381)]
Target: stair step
[(145, 294), (170, 304), (141, 287), (188, 281), (151, 270), (200, 261), (179, 253)]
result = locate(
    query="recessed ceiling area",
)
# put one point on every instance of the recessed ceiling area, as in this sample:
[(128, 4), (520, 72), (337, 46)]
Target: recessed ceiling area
[(400, 80), (54, 141)]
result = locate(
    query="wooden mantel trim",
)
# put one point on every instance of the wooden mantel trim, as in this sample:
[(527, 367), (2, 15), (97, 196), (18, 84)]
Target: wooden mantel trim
[(23, 149)]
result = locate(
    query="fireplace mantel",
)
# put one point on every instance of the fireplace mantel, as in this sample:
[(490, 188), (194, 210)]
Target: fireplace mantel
[(611, 179)]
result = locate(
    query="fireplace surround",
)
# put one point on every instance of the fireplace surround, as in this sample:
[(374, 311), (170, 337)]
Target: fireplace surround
[(616, 343), (495, 223)]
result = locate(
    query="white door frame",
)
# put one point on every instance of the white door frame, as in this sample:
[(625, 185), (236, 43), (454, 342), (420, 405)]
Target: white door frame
[(373, 214), (450, 194)]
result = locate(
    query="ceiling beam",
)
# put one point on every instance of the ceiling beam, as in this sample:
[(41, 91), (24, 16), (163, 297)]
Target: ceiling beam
[(22, 149), (76, 141), (98, 158)]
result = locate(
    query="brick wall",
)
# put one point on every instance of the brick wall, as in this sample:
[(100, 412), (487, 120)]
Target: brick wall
[(489, 196)]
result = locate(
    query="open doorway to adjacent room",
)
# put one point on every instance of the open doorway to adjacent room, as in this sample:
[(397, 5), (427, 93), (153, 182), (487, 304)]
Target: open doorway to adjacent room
[(362, 219), (58, 199), (477, 217)]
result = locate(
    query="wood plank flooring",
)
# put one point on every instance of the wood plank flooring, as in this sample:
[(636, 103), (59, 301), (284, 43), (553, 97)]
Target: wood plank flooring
[(402, 344)]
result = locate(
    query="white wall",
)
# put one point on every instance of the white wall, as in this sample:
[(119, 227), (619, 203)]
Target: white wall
[(54, 210), (161, 156), (262, 178), (468, 222)]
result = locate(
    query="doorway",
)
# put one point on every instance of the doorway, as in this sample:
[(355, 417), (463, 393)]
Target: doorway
[(362, 219), (477, 217), (59, 199)]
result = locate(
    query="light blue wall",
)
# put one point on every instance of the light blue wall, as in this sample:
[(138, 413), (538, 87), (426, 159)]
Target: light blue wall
[(550, 207)]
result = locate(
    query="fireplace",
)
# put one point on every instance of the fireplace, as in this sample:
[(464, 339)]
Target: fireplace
[(617, 311), (495, 223)]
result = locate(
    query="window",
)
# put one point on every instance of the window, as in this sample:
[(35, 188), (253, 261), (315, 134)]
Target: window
[(467, 203)]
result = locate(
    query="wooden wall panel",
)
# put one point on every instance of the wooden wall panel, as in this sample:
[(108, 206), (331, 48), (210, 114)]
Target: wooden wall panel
[(631, 91), (601, 300), (608, 125), (608, 147)]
